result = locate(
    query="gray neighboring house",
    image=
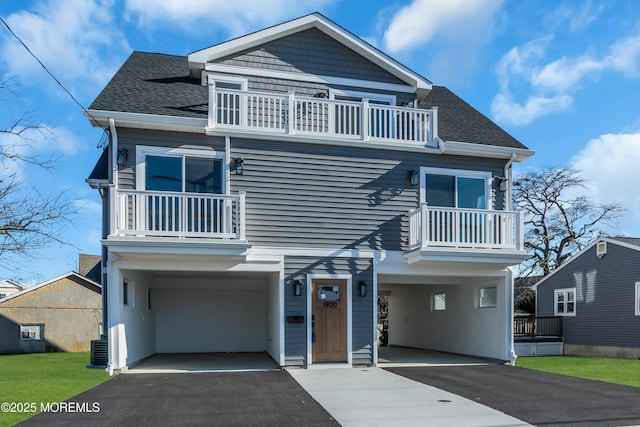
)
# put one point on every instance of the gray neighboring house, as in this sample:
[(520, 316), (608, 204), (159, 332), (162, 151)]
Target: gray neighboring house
[(597, 293), (260, 193)]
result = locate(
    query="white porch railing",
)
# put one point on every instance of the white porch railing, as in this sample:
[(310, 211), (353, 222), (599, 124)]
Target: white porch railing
[(319, 117), (465, 228), (170, 214)]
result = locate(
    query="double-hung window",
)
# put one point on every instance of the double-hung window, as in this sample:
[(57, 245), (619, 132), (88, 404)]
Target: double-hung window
[(564, 302)]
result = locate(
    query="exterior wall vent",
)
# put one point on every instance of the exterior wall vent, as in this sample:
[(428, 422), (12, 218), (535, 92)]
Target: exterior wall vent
[(601, 249)]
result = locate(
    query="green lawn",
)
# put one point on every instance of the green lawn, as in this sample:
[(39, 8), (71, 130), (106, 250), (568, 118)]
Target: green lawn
[(43, 377), (619, 371)]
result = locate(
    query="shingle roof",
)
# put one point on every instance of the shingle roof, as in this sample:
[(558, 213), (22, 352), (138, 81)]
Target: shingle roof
[(159, 84), (154, 83), (460, 122), (630, 240)]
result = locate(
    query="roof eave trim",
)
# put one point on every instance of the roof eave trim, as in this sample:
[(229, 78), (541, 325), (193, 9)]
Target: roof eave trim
[(585, 249), (48, 282), (481, 150), (100, 118), (198, 59)]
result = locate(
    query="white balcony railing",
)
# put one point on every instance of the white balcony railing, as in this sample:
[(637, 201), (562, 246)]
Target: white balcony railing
[(465, 228), (319, 117), (170, 214)]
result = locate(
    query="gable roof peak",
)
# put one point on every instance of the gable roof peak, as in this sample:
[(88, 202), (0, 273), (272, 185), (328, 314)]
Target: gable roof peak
[(198, 60)]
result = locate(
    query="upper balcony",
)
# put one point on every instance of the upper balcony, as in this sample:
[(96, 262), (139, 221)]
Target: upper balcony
[(311, 117), (443, 234)]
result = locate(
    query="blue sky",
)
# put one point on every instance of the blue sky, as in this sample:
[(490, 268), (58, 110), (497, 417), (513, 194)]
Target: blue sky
[(561, 76)]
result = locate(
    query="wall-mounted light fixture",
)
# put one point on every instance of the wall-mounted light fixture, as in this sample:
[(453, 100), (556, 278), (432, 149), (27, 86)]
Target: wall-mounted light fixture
[(239, 165), (297, 288), (121, 158), (414, 177), (362, 287), (502, 183)]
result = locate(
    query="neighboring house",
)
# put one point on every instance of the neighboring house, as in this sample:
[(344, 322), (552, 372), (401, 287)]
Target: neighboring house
[(8, 287), (259, 194), (62, 314), (597, 293)]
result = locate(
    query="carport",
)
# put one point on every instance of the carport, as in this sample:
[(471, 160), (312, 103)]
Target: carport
[(456, 313), (188, 320)]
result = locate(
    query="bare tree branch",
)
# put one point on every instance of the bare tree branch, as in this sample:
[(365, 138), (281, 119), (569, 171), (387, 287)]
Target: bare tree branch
[(558, 223)]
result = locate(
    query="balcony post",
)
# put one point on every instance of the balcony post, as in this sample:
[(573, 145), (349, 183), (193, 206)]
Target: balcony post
[(291, 115), (520, 231), (241, 215), (213, 107), (424, 214), (113, 211), (433, 131), (365, 132)]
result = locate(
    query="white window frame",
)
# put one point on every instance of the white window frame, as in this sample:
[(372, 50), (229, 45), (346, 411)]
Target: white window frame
[(143, 150), (130, 288), (244, 83), (637, 298), (27, 328), (433, 302), (370, 96), (565, 293), (479, 297), (458, 173)]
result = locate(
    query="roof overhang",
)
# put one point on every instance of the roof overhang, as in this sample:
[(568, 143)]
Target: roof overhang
[(198, 60), (481, 150)]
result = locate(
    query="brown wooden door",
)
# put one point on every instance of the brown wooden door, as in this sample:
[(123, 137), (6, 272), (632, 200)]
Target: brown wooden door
[(329, 321)]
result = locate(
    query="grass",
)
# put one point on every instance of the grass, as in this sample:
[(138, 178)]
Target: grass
[(618, 371), (44, 378)]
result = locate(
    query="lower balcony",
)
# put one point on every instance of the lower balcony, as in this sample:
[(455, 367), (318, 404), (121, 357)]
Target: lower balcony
[(163, 214), (443, 234)]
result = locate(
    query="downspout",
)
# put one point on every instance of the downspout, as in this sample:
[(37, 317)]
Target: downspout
[(107, 261)]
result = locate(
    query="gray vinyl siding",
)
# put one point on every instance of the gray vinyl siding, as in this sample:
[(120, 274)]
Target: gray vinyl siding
[(310, 52), (297, 268), (305, 195), (605, 307)]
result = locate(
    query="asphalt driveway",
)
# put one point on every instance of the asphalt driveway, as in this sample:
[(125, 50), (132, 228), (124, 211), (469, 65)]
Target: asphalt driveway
[(271, 398), (536, 397)]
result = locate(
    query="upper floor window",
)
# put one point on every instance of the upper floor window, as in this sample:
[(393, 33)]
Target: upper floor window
[(455, 188), (180, 170), (564, 302)]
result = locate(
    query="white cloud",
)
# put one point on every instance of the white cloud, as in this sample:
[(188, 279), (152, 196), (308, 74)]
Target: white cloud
[(577, 19), (506, 110), (551, 86), (76, 39), (610, 164), (416, 24), (88, 207), (236, 17)]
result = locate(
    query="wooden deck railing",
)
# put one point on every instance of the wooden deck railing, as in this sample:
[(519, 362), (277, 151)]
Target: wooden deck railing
[(533, 326)]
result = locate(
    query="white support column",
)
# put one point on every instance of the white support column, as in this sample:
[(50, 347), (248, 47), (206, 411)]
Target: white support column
[(213, 107), (291, 115), (433, 135), (366, 130), (242, 216)]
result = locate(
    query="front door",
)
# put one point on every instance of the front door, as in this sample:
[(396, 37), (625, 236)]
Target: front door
[(329, 320)]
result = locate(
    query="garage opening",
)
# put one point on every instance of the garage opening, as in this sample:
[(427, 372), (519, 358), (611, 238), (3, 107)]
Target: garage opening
[(201, 320)]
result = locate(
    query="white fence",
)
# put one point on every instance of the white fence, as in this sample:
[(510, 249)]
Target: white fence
[(465, 228), (170, 214)]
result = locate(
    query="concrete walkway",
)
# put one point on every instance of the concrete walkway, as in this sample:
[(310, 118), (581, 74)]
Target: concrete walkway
[(375, 397)]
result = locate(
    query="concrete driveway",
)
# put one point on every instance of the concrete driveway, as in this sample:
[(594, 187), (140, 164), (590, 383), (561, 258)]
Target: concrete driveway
[(536, 397)]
